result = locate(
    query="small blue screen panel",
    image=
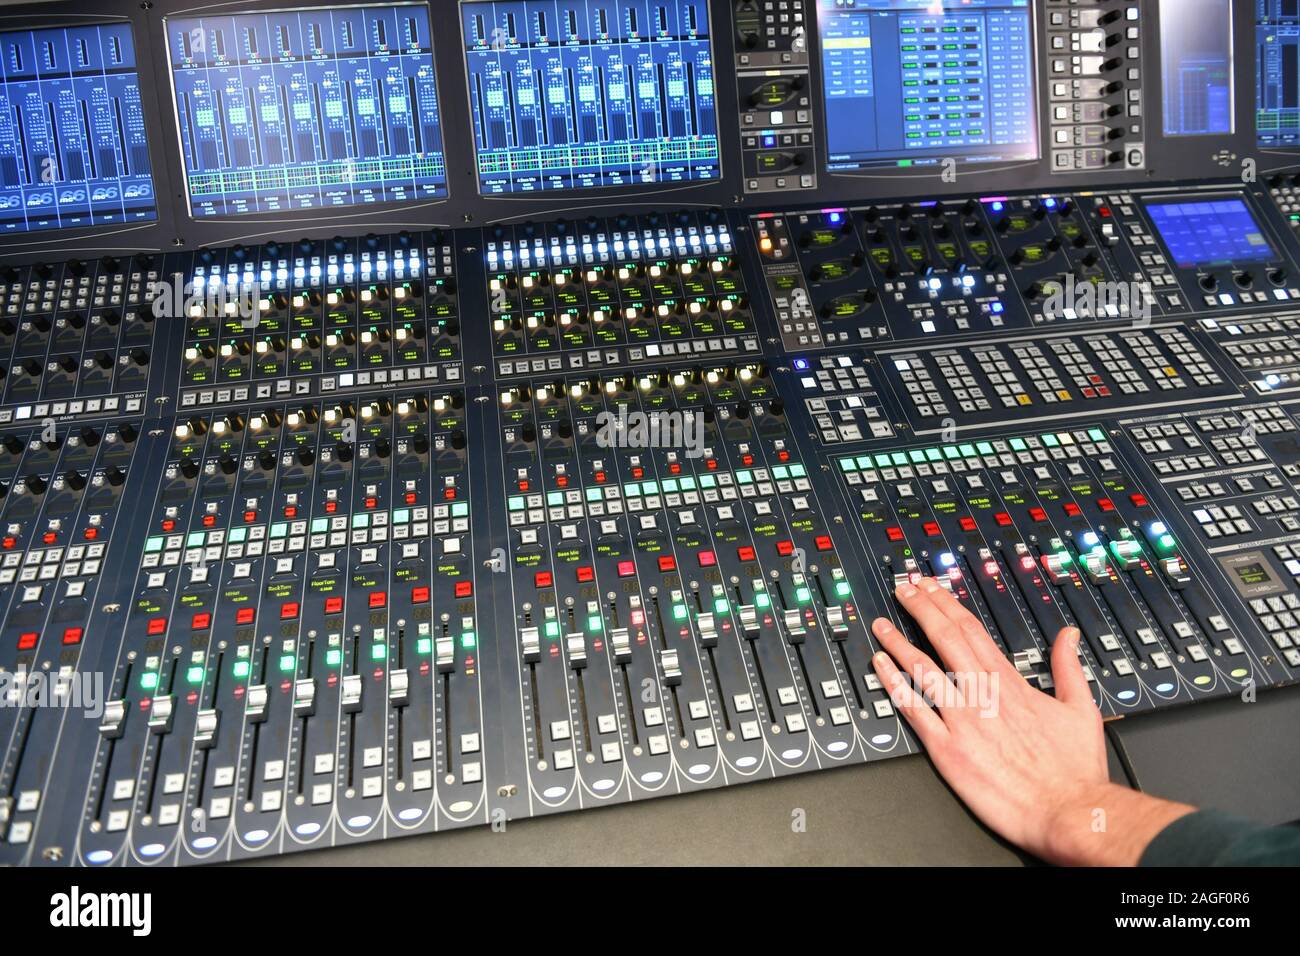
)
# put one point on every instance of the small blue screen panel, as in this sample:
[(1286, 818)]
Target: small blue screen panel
[(73, 147), (306, 109), (1196, 53), (919, 82), (581, 94), (1215, 232), (1277, 91)]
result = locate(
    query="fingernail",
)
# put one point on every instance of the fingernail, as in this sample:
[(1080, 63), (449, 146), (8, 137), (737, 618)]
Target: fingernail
[(905, 590), (1072, 635), (879, 658)]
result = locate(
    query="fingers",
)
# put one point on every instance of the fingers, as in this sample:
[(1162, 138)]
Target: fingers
[(923, 719), (923, 671), (970, 628), (920, 602), (1067, 670)]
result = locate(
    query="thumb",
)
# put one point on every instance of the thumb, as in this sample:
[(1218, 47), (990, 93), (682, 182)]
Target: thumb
[(1067, 669)]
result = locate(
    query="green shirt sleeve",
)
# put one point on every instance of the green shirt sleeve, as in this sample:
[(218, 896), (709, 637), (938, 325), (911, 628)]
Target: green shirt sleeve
[(1210, 838)]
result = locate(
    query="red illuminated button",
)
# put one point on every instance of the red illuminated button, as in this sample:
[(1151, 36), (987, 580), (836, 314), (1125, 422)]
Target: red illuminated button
[(785, 548), (638, 472), (823, 542), (157, 625), (72, 635), (244, 615), (49, 537), (707, 559), (626, 569), (90, 534), (1139, 500), (932, 529), (200, 622), (1038, 514), (745, 553), (250, 517), (1072, 509), (585, 574), (542, 579), (290, 511), (331, 507), (333, 605), (378, 599), (209, 521), (894, 534), (1002, 518), (288, 610), (464, 589), (420, 595), (667, 563), (168, 524), (409, 497), (27, 641), (1105, 504), (967, 523)]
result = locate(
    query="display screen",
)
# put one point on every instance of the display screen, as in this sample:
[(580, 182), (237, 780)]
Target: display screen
[(73, 148), (919, 82), (581, 94), (1196, 50), (1277, 92), (1210, 232), (306, 109)]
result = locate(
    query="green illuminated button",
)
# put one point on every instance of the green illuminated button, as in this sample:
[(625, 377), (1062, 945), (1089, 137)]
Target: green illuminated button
[(153, 544), (241, 669), (194, 675), (333, 657), (379, 652), (149, 680), (424, 646), (318, 526), (287, 663), (468, 640), (279, 530), (194, 539)]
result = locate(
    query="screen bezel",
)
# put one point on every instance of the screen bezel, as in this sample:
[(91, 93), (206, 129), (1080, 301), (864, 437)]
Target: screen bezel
[(334, 212), (1232, 81), (122, 238), (637, 190), (934, 171), (1176, 199)]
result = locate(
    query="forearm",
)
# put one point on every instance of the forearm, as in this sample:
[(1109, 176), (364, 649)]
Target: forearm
[(1108, 825)]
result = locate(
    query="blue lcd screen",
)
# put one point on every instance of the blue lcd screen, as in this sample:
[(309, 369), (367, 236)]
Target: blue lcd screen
[(1277, 86), (306, 109), (919, 82), (73, 147), (1211, 232), (581, 94), (1196, 52)]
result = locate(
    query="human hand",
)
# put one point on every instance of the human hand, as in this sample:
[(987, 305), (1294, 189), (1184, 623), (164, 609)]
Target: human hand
[(1031, 766)]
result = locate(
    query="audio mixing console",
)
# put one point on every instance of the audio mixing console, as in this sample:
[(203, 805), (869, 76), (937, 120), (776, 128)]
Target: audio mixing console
[(575, 472)]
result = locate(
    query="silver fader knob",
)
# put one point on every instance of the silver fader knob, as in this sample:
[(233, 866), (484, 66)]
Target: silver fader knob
[(399, 687), (161, 711), (350, 697), (530, 645), (794, 625), (255, 703), (748, 620), (577, 648), (835, 621), (708, 629), (206, 723), (622, 645), (444, 652), (1175, 571), (672, 667), (110, 726), (304, 697)]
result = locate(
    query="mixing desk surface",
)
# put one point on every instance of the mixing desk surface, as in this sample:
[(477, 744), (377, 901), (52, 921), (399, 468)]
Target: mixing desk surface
[(426, 446)]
